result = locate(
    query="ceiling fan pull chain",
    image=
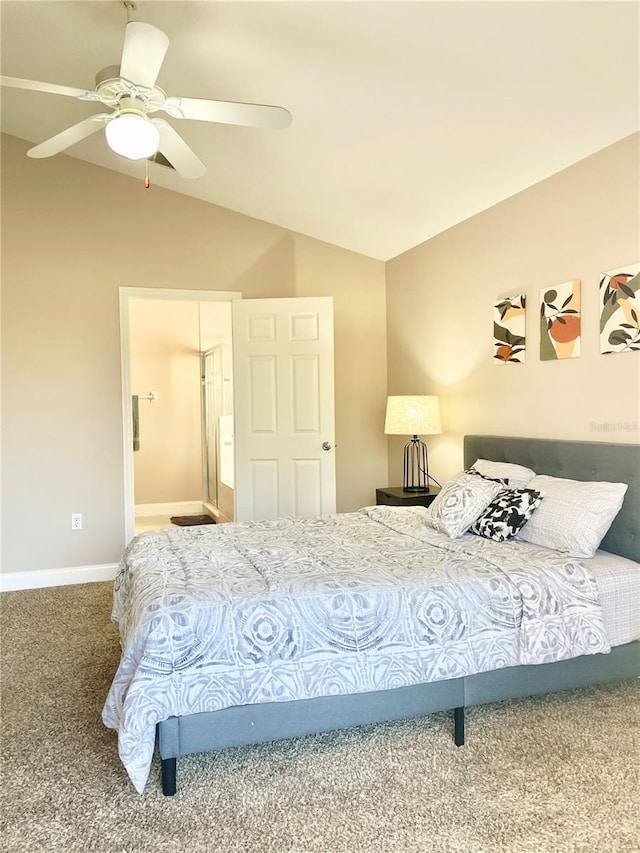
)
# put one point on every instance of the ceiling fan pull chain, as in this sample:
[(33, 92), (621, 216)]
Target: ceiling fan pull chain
[(147, 182)]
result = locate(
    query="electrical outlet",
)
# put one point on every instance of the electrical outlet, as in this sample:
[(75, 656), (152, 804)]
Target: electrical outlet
[(76, 521)]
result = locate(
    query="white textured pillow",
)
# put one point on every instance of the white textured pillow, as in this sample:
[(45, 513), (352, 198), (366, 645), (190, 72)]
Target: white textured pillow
[(460, 502), (574, 516), (517, 475)]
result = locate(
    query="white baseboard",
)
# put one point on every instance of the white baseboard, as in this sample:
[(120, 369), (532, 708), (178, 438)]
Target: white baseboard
[(10, 581), (180, 508)]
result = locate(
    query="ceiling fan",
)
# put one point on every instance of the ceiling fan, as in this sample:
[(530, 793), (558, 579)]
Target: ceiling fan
[(130, 89)]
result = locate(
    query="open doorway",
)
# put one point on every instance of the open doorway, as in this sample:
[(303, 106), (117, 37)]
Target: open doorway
[(169, 450)]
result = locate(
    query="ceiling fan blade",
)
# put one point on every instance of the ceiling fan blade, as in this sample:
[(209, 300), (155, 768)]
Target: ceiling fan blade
[(68, 137), (36, 86), (228, 112), (175, 149), (143, 53)]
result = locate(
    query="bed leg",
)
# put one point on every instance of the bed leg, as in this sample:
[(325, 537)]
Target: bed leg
[(168, 776), (458, 726)]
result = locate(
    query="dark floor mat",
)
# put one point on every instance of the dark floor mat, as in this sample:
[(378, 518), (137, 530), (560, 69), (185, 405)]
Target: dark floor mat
[(188, 520)]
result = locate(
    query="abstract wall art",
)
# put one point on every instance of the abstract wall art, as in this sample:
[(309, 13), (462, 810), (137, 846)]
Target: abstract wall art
[(560, 321), (620, 310), (509, 341)]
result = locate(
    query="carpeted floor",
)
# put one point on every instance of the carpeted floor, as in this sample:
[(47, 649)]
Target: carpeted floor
[(557, 774)]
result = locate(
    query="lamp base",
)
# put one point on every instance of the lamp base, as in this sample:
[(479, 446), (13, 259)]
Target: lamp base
[(416, 466)]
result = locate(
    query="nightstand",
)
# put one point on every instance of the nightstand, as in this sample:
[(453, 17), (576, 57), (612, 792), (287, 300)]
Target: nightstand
[(396, 496)]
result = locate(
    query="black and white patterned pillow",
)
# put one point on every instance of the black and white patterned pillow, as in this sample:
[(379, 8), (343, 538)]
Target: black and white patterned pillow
[(507, 514)]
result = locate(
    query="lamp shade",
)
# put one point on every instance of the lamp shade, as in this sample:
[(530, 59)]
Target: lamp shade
[(412, 415)]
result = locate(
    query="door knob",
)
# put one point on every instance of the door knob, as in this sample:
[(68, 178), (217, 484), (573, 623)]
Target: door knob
[(326, 445)]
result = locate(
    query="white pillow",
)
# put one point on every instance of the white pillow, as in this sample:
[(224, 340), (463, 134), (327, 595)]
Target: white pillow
[(517, 475), (574, 516), (460, 502)]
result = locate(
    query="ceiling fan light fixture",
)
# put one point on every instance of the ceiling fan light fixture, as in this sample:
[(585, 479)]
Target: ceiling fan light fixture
[(132, 136), (130, 90)]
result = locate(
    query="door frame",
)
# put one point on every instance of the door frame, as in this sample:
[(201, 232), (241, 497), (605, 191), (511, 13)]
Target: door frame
[(126, 294)]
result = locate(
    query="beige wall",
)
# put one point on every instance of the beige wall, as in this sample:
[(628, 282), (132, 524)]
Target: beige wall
[(165, 357), (72, 234), (577, 224), (360, 407)]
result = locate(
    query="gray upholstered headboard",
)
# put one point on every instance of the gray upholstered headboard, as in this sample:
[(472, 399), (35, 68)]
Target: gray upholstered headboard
[(575, 460)]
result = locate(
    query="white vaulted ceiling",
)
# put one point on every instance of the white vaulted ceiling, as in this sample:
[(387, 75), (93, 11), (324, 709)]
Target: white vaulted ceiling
[(407, 117)]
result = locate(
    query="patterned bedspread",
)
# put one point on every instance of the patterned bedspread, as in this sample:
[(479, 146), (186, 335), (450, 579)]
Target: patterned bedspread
[(272, 611)]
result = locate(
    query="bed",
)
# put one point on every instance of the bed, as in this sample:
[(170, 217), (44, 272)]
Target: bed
[(589, 637)]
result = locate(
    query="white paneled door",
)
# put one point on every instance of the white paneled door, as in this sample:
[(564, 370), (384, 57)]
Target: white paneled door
[(284, 407)]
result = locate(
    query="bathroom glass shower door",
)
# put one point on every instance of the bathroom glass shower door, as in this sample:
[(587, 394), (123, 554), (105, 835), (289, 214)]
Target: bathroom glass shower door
[(217, 429), (209, 431)]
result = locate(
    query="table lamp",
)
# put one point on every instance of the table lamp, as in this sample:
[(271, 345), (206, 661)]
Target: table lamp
[(414, 416)]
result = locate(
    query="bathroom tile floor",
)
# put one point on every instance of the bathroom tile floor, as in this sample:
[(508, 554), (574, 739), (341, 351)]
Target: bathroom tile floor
[(151, 522)]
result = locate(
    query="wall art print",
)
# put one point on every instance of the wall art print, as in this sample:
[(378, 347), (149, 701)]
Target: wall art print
[(509, 341), (560, 316), (620, 310)]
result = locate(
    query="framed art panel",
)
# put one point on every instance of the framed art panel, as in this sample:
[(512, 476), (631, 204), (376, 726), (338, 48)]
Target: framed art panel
[(620, 310), (509, 341), (560, 319)]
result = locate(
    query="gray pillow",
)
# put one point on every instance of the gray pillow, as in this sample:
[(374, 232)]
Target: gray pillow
[(460, 502)]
